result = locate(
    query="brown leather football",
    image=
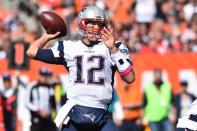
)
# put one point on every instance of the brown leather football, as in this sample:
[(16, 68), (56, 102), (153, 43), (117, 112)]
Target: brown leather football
[(53, 23)]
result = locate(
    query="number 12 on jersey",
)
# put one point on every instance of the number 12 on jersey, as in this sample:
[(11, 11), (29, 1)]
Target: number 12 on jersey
[(91, 72)]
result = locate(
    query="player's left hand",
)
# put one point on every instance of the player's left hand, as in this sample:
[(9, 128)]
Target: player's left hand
[(107, 35)]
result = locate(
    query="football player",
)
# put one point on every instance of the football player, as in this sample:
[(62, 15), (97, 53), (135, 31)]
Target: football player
[(91, 64), (188, 122)]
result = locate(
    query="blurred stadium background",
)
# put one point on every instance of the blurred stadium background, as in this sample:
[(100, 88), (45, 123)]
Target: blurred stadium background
[(159, 34)]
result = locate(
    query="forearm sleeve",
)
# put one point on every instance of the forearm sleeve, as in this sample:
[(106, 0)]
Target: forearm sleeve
[(46, 55)]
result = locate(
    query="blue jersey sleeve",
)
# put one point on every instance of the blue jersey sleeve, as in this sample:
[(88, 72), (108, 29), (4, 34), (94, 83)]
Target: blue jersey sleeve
[(46, 55), (53, 55)]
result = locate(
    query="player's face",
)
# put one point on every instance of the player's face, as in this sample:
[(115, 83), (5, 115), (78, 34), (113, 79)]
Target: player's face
[(94, 24), (93, 30), (7, 84)]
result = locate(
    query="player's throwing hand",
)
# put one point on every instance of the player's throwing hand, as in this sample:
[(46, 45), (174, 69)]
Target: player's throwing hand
[(50, 36)]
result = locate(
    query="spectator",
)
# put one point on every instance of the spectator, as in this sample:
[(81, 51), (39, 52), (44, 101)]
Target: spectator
[(145, 11), (41, 103), (2, 127), (158, 99), (9, 103), (189, 9), (131, 104), (190, 34), (183, 100), (133, 121)]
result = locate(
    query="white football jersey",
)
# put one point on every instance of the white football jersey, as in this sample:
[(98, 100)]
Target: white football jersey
[(91, 70), (185, 121)]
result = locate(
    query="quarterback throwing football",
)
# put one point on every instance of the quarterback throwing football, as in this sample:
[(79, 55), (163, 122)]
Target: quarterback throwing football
[(91, 64)]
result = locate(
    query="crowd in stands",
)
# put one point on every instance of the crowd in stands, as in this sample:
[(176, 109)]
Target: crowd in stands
[(158, 26)]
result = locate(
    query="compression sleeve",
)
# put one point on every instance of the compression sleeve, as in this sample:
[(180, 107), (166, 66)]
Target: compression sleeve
[(46, 55)]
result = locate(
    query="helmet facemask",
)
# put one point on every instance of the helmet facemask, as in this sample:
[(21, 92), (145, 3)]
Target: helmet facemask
[(91, 31)]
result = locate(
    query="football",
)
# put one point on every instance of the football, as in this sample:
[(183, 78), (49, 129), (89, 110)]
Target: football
[(53, 23)]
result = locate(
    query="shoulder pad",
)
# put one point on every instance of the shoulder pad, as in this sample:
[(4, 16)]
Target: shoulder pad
[(122, 47), (118, 43)]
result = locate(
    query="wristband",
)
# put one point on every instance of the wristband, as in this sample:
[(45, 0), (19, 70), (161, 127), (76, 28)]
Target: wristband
[(124, 67)]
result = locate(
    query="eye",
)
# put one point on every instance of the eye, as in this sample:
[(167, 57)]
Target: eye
[(87, 22), (100, 24)]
